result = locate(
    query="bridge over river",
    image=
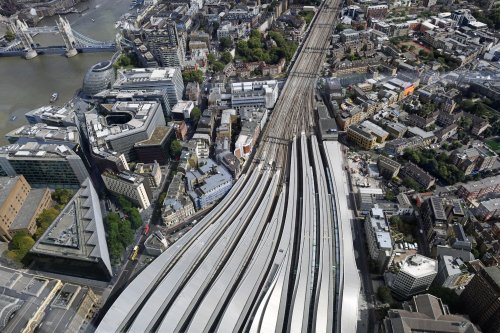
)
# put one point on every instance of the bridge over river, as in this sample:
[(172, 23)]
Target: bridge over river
[(74, 42)]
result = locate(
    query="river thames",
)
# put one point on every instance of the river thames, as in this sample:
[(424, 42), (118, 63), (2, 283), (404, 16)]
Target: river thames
[(28, 84)]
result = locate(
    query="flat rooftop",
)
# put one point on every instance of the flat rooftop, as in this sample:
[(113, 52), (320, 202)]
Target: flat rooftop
[(78, 231), (28, 208), (6, 186), (419, 266)]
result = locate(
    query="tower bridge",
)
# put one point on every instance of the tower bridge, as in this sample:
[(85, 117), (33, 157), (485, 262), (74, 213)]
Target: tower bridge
[(74, 42)]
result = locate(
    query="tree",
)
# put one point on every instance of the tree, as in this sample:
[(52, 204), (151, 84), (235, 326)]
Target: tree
[(340, 27), (20, 245), (162, 197), (384, 294), (448, 296), (193, 76), (44, 220), (226, 57), (9, 36), (196, 114), (211, 59), (411, 183), (225, 43), (62, 196), (218, 66), (135, 218), (389, 195), (175, 149)]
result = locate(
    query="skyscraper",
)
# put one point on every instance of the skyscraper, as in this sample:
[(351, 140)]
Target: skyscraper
[(481, 299)]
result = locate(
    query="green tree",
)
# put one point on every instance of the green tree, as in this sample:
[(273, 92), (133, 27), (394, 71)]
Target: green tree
[(20, 245), (62, 196), (135, 218), (411, 183), (162, 197), (125, 233), (44, 220), (226, 57), (196, 114), (9, 36), (339, 27), (384, 294), (389, 195), (193, 76), (124, 203), (218, 66), (448, 296), (175, 149), (225, 43), (211, 59)]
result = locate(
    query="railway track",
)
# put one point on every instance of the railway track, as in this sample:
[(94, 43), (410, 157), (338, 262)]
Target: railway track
[(264, 259)]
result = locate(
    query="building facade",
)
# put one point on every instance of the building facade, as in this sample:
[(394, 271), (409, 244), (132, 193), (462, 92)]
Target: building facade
[(416, 274), (481, 299), (132, 186)]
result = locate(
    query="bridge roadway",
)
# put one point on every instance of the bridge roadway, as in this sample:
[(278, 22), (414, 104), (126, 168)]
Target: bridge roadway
[(268, 257)]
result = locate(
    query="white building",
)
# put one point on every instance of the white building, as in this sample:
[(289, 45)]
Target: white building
[(132, 186), (168, 79), (254, 94), (378, 237), (182, 110), (416, 274)]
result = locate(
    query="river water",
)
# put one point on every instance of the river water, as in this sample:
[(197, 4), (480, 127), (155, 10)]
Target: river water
[(28, 84)]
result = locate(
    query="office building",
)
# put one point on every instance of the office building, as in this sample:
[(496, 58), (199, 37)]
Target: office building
[(481, 299), (45, 134), (132, 186), (182, 110), (111, 96), (52, 115), (75, 243), (378, 237), (255, 94), (43, 165), (434, 218), (156, 148), (426, 313), (168, 79), (99, 77), (415, 276), (208, 184), (452, 273), (120, 127)]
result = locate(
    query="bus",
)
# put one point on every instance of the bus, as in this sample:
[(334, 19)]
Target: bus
[(135, 252), (146, 230)]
